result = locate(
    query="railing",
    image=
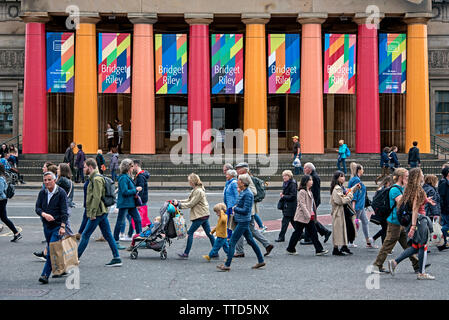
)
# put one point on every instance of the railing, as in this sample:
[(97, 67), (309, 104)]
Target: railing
[(16, 141), (439, 146)]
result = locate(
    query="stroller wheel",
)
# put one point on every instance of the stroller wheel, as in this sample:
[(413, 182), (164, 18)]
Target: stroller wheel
[(163, 254), (134, 255)]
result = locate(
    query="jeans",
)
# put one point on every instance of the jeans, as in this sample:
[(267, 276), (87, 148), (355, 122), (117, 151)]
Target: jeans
[(296, 235), (195, 225), (258, 220), (51, 235), (123, 227), (445, 226), (395, 233), (103, 222), (284, 226), (422, 256), (255, 233), (80, 174), (83, 223), (113, 175), (4, 217), (121, 220), (413, 164), (243, 228), (343, 161), (361, 215), (218, 244)]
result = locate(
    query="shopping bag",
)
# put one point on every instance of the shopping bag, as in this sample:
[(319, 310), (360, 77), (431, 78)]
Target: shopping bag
[(296, 163), (63, 255), (436, 238), (180, 226)]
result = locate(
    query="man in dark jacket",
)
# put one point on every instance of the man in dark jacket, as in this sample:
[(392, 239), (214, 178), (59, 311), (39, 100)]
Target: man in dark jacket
[(413, 156), (51, 206), (288, 201), (141, 180), (443, 190), (79, 164), (69, 158), (309, 169)]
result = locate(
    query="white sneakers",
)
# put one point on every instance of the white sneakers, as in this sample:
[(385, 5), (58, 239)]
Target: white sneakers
[(425, 276)]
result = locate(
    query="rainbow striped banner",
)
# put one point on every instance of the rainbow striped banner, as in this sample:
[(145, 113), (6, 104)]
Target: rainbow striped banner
[(284, 63), (227, 63), (114, 63), (392, 62), (60, 61), (339, 63), (171, 63)]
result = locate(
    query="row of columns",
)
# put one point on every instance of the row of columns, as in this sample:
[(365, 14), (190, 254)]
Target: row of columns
[(255, 93)]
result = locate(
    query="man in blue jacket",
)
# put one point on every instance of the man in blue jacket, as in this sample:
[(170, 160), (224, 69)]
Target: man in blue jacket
[(343, 153), (51, 206)]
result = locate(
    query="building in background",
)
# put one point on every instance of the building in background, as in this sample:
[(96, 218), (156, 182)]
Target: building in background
[(310, 68)]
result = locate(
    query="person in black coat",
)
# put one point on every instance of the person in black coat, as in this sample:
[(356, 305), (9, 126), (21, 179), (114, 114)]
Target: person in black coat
[(413, 156), (443, 190), (100, 160), (288, 202), (394, 161), (69, 158)]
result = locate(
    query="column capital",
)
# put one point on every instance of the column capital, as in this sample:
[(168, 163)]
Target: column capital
[(417, 18), (142, 18), (89, 17), (312, 17), (39, 17), (255, 18), (199, 18), (362, 18)]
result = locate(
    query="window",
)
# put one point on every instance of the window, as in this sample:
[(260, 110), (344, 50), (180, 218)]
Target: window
[(6, 114), (442, 112), (178, 117)]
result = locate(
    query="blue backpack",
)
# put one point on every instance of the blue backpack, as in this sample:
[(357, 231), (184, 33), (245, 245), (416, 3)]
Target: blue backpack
[(348, 152)]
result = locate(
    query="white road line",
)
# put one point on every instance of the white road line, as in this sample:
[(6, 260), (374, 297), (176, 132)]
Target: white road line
[(24, 217)]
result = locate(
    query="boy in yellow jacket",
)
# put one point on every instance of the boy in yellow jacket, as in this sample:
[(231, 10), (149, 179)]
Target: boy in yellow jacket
[(221, 241)]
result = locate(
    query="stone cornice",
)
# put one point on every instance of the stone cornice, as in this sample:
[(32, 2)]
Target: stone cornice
[(312, 17), (199, 18), (142, 18), (256, 18)]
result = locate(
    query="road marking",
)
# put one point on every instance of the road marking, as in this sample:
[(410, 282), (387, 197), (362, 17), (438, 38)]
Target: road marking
[(10, 233), (24, 217)]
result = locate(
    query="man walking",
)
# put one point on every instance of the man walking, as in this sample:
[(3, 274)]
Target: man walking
[(343, 153), (51, 206), (297, 154), (413, 156), (141, 180), (69, 157), (443, 190), (79, 164), (97, 213), (243, 168)]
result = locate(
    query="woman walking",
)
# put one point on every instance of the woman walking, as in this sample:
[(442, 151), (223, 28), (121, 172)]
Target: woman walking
[(230, 192), (339, 198), (305, 217), (65, 182), (126, 204), (242, 216), (418, 232), (100, 161), (358, 203), (199, 212), (110, 137), (288, 202), (382, 233), (3, 202)]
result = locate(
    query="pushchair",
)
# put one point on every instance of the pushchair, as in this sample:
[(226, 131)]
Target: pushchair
[(157, 235)]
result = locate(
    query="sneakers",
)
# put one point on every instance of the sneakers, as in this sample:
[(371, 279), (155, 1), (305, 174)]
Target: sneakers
[(206, 257), (122, 237), (259, 265), (352, 245), (379, 270), (371, 246), (269, 248), (43, 279), (126, 238), (322, 253), (305, 243), (327, 236), (183, 256), (293, 253), (337, 252), (59, 275), (392, 266), (223, 268), (279, 240), (119, 246), (345, 249), (130, 248), (116, 262), (16, 237), (442, 248), (40, 255), (239, 255), (264, 228), (425, 276)]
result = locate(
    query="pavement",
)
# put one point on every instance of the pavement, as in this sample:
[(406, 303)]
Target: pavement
[(285, 277)]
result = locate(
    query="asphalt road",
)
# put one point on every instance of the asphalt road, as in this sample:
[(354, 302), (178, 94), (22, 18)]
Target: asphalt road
[(303, 277)]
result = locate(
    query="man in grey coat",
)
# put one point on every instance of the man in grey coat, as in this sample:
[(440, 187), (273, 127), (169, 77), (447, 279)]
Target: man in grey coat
[(243, 168)]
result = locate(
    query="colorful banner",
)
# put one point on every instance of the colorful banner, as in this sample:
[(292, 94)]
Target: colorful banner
[(60, 61), (171, 63), (339, 63), (283, 63), (227, 63), (114, 63), (392, 62)]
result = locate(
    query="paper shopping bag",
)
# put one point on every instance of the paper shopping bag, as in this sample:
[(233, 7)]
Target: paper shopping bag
[(63, 255)]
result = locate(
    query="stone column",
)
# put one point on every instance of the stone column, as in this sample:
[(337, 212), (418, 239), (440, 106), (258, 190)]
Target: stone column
[(311, 125), (255, 84), (34, 138), (417, 96), (367, 135), (143, 127), (85, 111), (199, 113)]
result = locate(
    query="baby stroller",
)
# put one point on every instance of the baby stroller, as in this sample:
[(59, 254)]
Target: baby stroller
[(157, 235)]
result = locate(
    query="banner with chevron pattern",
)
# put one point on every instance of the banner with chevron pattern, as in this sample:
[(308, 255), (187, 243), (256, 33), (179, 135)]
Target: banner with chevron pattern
[(114, 62), (60, 61), (339, 63), (392, 62), (171, 63), (284, 63), (227, 63)]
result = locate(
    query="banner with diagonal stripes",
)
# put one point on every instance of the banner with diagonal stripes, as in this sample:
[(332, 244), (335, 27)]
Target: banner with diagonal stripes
[(60, 61), (392, 62)]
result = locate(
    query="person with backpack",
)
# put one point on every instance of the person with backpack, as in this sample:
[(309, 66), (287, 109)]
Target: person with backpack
[(395, 232), (382, 233), (258, 193), (443, 190), (413, 156), (97, 213), (343, 153), (412, 203), (3, 202)]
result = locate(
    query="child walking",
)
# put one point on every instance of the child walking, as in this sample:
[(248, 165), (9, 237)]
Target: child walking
[(221, 241)]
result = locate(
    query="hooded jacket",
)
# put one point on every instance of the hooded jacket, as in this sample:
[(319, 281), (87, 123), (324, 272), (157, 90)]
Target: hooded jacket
[(141, 180)]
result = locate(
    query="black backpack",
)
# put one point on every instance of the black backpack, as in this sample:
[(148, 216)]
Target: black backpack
[(260, 187), (109, 192), (404, 214), (381, 203), (10, 190)]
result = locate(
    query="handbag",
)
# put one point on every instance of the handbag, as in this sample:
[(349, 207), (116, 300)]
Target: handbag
[(349, 210), (281, 204), (436, 238), (103, 167), (138, 201), (180, 226), (367, 201)]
